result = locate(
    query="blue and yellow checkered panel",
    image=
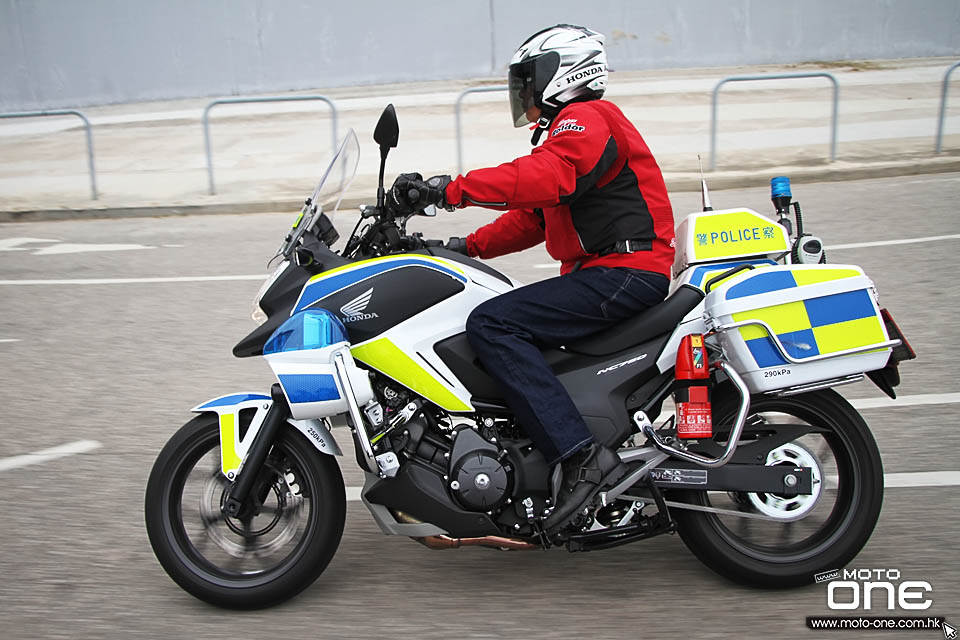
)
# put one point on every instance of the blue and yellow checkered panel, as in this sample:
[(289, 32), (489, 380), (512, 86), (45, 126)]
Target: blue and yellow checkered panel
[(811, 327)]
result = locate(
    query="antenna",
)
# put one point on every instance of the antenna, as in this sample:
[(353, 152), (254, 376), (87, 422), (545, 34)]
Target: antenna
[(705, 193)]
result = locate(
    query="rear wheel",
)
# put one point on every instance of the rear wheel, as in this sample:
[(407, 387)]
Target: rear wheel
[(796, 537), (274, 550)]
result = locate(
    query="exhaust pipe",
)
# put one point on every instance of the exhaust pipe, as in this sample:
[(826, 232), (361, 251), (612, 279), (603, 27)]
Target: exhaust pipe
[(495, 542), (446, 542)]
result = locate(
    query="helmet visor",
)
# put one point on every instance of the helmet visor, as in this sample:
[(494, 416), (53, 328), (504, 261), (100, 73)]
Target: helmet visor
[(521, 87), (527, 80)]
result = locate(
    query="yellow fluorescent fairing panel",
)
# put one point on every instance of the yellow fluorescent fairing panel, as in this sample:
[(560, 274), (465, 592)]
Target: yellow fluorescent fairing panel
[(229, 439), (819, 324), (782, 318), (849, 335), (736, 233), (386, 357)]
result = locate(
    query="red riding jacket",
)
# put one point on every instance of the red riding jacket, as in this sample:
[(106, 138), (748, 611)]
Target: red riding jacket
[(591, 184)]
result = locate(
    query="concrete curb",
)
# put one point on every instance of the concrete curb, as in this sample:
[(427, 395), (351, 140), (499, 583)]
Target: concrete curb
[(676, 182)]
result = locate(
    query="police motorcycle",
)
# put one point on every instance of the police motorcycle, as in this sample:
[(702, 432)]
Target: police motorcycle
[(719, 400)]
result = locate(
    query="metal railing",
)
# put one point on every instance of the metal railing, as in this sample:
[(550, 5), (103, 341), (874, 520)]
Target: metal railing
[(779, 76), (86, 124), (456, 116), (943, 105), (206, 121)]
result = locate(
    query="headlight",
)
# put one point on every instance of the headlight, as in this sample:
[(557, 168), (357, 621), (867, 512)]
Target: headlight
[(259, 315)]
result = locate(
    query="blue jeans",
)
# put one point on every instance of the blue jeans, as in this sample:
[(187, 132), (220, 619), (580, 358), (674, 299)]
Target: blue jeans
[(508, 333)]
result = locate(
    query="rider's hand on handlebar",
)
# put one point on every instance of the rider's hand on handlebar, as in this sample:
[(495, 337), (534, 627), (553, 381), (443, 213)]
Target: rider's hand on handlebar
[(410, 192), (457, 244)]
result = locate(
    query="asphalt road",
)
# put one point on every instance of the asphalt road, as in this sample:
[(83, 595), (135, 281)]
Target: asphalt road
[(121, 364)]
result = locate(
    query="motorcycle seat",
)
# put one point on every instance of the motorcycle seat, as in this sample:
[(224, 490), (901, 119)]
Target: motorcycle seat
[(656, 320)]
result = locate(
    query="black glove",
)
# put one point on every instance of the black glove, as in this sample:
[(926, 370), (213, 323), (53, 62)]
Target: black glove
[(410, 192), (457, 244)]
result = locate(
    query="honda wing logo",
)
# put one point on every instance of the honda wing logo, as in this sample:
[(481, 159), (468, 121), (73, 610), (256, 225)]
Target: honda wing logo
[(354, 310)]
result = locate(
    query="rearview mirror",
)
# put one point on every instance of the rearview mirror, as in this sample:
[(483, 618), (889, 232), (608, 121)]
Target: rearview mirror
[(387, 132)]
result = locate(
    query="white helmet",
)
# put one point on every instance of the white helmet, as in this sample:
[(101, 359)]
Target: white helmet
[(554, 67)]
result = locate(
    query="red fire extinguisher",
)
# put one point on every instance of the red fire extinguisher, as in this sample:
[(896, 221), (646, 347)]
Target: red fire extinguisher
[(693, 397)]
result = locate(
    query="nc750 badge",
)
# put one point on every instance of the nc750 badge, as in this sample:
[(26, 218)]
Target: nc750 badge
[(621, 364)]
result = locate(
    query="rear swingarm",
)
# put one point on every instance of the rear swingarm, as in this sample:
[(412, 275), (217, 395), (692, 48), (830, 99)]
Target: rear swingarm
[(782, 480)]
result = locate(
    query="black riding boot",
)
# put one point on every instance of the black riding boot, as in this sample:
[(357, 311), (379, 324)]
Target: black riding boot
[(584, 473)]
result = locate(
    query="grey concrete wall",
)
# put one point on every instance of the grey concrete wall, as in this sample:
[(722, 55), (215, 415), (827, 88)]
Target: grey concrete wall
[(644, 34), (63, 53)]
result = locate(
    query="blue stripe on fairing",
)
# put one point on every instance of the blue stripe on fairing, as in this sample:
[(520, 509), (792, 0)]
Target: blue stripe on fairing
[(765, 353), (309, 387), (696, 279), (322, 288), (799, 344), (762, 283), (234, 399), (840, 307)]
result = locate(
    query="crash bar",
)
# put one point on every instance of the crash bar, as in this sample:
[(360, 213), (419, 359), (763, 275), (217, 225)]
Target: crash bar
[(86, 124), (778, 76), (456, 115), (206, 121), (732, 440), (943, 105)]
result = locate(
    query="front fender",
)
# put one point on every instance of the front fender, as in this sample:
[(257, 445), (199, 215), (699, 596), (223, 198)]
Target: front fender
[(233, 448)]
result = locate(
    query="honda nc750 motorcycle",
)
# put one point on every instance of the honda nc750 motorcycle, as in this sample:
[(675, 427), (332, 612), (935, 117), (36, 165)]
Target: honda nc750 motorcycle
[(767, 474)]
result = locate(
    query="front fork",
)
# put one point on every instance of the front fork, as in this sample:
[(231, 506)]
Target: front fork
[(276, 416)]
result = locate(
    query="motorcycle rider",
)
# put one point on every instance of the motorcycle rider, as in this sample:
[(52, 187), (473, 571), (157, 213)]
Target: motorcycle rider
[(595, 194)]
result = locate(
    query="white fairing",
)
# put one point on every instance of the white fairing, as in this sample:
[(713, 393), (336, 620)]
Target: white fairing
[(415, 337), (310, 382)]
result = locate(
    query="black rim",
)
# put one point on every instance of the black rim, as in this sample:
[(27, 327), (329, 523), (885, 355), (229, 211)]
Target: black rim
[(227, 551), (777, 541)]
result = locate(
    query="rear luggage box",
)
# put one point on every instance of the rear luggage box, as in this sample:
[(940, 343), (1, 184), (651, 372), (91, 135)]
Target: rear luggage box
[(794, 325)]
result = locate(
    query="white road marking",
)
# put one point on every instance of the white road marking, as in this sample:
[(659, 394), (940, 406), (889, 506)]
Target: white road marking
[(68, 247), (39, 457), (9, 340), (921, 479), (76, 248), (57, 247), (353, 494), (885, 243), (906, 401), (13, 244), (133, 280)]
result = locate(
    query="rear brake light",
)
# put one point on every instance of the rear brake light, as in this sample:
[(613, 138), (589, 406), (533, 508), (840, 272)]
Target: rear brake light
[(904, 351)]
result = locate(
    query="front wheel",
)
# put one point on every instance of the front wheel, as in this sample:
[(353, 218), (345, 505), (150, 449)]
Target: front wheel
[(792, 538), (269, 554)]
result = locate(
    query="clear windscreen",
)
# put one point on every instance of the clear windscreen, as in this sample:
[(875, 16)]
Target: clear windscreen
[(338, 175), (328, 195)]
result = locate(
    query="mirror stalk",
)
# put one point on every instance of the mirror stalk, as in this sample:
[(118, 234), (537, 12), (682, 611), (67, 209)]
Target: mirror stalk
[(381, 193)]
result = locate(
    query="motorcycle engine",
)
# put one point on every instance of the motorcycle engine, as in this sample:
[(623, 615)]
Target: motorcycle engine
[(478, 480)]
